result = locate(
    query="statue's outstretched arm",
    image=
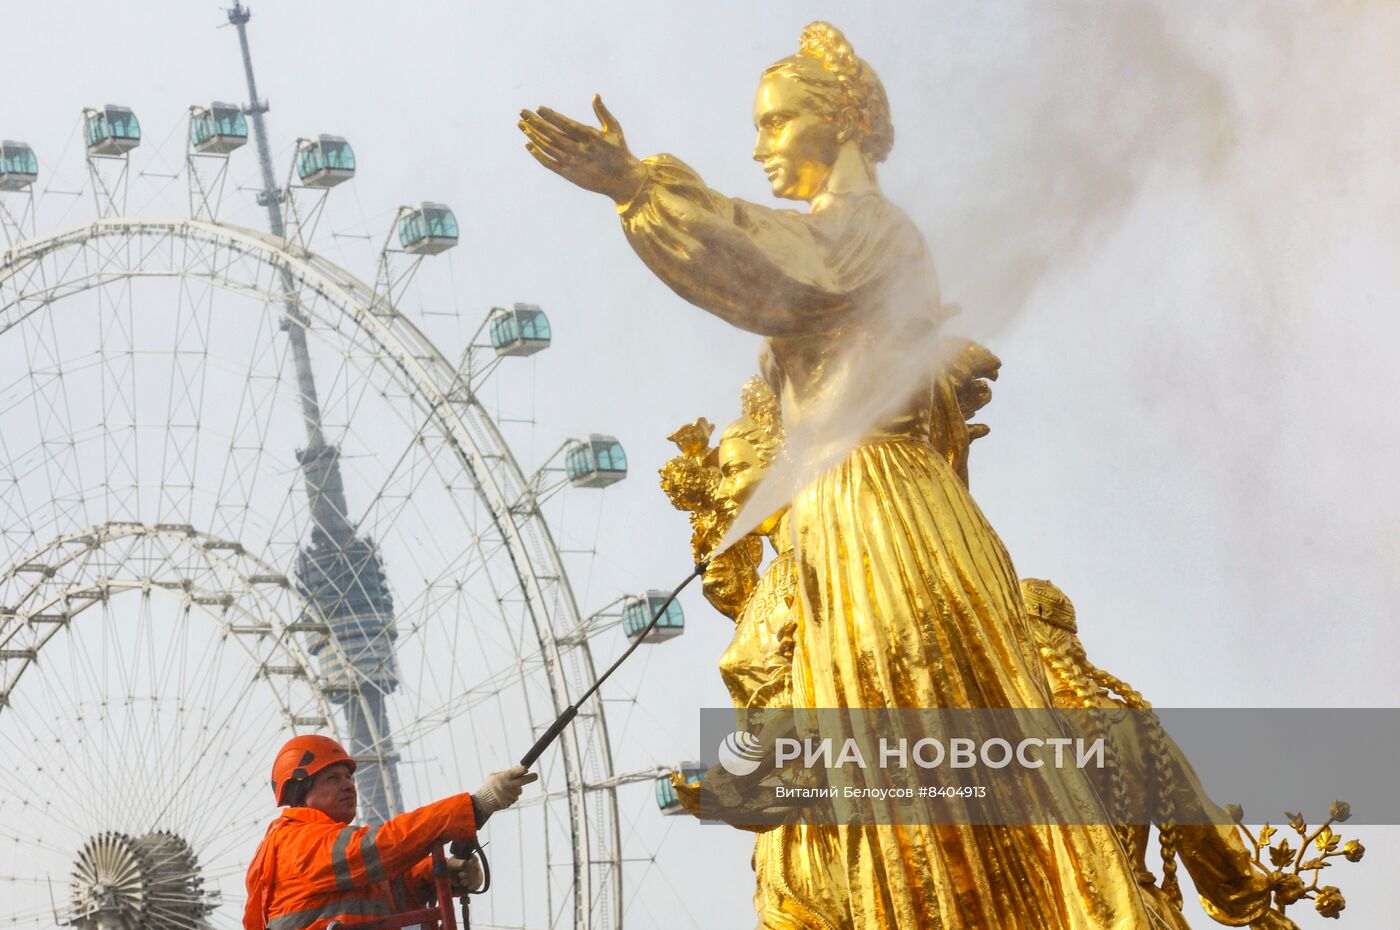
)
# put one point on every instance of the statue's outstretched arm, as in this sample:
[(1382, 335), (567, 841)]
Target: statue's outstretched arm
[(761, 269)]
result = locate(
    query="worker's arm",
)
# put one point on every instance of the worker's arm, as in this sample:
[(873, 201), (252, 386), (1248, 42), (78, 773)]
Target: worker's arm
[(327, 859), (499, 791), (375, 853), (418, 882), (352, 857)]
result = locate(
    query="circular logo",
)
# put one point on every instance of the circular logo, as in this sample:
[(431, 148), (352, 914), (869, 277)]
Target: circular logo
[(740, 753)]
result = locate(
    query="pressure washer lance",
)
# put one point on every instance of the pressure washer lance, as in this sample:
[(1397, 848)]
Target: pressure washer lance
[(464, 850)]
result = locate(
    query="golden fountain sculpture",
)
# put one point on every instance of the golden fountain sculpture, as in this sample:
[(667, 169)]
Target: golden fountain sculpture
[(887, 587)]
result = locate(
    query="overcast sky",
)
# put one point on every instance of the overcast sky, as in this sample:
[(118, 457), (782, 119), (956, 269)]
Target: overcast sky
[(1176, 224)]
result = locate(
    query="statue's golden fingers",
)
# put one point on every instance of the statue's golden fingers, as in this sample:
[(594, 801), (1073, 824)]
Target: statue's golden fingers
[(550, 137), (566, 125), (605, 117), (554, 142), (537, 121), (563, 159), (533, 122), (545, 160)]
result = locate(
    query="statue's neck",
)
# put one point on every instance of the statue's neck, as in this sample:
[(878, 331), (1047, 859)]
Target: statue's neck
[(852, 174)]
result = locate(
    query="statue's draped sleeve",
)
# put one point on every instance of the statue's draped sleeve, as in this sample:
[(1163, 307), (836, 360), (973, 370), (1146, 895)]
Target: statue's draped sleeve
[(773, 272)]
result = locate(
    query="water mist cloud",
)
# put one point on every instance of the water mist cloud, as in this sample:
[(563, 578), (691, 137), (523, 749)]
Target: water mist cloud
[(1206, 170)]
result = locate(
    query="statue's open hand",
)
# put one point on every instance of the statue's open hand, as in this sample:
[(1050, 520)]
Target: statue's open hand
[(594, 159)]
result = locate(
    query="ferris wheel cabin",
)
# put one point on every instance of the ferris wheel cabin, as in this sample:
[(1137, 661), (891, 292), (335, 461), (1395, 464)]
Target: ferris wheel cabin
[(18, 166), (637, 613), (666, 799), (325, 161), (522, 330), (595, 462), (112, 130), (428, 229), (217, 129)]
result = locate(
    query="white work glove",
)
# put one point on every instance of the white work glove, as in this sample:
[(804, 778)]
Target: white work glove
[(464, 875), (502, 789)]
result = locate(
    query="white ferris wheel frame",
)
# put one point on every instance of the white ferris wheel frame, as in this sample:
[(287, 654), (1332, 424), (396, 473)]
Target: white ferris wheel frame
[(37, 273)]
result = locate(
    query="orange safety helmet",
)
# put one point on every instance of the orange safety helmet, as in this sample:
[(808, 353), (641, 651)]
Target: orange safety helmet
[(304, 756)]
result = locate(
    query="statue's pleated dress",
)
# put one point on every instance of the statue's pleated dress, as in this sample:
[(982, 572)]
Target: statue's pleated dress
[(799, 868), (908, 597)]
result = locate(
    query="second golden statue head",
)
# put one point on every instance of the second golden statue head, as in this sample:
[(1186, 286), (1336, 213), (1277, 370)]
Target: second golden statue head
[(748, 446), (1051, 614), (814, 108)]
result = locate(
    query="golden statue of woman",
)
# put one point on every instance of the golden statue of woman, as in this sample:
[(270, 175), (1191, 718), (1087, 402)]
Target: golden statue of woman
[(907, 596)]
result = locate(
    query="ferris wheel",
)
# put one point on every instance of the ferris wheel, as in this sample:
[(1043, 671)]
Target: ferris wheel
[(245, 496)]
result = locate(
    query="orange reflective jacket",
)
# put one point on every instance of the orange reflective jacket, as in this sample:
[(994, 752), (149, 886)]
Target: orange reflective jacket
[(311, 869)]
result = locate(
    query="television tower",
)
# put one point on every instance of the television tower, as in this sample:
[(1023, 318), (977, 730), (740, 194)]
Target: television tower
[(338, 571)]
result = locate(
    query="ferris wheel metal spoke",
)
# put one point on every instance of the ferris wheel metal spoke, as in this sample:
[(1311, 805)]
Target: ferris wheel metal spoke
[(245, 459), (205, 820), (176, 682), (184, 406), (43, 415), (68, 817), (33, 842), (205, 725), (182, 807), (639, 882), (35, 916), (91, 768)]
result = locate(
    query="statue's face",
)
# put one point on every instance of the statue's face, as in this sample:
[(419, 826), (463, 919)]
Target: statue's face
[(740, 469), (796, 145)]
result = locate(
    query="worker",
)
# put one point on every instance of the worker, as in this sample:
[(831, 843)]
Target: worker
[(313, 868)]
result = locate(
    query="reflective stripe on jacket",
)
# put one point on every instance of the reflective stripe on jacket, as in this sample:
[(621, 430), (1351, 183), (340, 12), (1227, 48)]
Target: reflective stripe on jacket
[(311, 869)]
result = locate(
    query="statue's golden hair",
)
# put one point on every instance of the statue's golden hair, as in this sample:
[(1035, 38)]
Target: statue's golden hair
[(1069, 666), (835, 80)]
